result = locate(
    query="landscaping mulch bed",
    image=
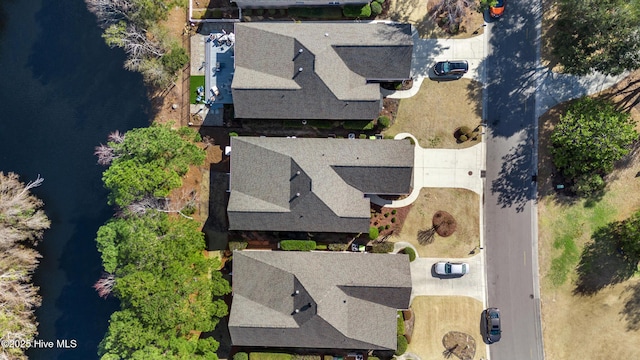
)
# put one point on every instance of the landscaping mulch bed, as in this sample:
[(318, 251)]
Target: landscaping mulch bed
[(390, 108), (378, 218), (462, 345), (444, 223)]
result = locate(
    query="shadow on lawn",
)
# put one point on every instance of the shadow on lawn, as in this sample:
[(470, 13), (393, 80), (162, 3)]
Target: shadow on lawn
[(631, 310), (603, 263)]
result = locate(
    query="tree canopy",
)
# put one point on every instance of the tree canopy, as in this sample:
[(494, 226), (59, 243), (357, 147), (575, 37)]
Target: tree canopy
[(601, 35), (133, 25), (166, 286), (590, 137), (22, 223), (149, 161), (155, 263)]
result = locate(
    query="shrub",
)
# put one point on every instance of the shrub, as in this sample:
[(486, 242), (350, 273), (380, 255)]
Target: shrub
[(362, 136), (402, 345), (412, 253), (393, 212), (282, 11), (237, 245), (306, 357), (381, 248), (233, 134), (463, 138), (321, 247), (387, 226), (297, 245), (357, 11), (400, 318), (380, 228), (241, 356), (384, 121), (386, 214), (269, 356), (393, 220), (247, 12), (358, 125), (379, 1), (271, 11), (321, 12), (588, 185), (175, 60), (376, 8), (259, 12), (373, 233), (389, 137), (465, 130), (338, 247)]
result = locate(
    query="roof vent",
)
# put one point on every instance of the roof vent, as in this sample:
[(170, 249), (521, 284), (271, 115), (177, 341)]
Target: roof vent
[(297, 292), (300, 51), (326, 34), (297, 173), (297, 311), (300, 69), (297, 195)]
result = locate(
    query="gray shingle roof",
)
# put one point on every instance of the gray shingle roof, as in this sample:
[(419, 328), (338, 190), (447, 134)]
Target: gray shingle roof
[(318, 185), (328, 79), (344, 300)]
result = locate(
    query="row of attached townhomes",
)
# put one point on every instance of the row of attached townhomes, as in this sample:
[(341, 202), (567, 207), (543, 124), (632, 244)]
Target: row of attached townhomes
[(331, 71)]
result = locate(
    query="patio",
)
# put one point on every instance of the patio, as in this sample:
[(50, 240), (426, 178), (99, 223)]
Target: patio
[(217, 68)]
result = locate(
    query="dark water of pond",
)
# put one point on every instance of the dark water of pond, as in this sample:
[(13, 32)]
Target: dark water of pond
[(62, 90)]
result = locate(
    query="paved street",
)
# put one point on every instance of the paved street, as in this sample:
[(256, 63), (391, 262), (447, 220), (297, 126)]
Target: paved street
[(510, 212)]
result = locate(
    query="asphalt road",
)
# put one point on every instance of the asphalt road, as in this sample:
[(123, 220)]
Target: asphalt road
[(510, 221)]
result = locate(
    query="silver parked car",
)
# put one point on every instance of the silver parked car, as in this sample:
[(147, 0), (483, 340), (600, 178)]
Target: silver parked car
[(449, 268)]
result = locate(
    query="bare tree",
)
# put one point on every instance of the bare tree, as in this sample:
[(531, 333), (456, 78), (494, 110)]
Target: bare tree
[(116, 137), (452, 12), (104, 285), (110, 11), (22, 223), (20, 217), (185, 200), (105, 154)]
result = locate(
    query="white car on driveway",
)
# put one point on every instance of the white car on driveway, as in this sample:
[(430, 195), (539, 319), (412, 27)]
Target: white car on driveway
[(450, 268)]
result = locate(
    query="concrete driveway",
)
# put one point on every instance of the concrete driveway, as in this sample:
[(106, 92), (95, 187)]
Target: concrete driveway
[(425, 282)]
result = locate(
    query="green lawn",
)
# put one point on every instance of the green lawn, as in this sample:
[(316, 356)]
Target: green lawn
[(194, 82)]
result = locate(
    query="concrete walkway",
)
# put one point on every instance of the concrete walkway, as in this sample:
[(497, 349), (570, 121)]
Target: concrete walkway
[(443, 168)]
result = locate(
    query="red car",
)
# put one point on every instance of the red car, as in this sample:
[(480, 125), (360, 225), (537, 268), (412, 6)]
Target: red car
[(497, 10)]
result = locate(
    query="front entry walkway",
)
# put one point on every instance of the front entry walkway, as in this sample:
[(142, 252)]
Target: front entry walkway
[(441, 168)]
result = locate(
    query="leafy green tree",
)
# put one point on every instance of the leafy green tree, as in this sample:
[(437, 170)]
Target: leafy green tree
[(485, 4), (150, 161), (590, 137), (601, 35), (175, 60), (166, 286), (629, 237)]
